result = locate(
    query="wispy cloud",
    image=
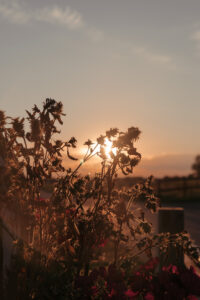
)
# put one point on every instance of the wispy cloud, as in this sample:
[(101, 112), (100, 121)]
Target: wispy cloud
[(63, 16), (154, 57), (15, 12)]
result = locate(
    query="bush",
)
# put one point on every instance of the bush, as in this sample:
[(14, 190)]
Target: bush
[(86, 241)]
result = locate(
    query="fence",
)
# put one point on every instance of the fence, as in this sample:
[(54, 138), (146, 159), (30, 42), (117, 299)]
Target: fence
[(179, 188)]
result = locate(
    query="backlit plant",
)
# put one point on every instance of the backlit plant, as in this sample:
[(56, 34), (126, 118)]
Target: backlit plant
[(87, 231)]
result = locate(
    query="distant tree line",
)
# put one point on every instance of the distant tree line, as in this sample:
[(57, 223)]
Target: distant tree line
[(196, 166)]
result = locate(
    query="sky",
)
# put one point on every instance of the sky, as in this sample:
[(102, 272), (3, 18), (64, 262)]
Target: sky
[(112, 63)]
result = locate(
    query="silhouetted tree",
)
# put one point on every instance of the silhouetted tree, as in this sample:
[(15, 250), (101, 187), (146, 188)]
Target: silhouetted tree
[(196, 166)]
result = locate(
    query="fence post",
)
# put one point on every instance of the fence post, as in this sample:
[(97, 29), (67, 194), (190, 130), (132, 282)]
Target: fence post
[(171, 219)]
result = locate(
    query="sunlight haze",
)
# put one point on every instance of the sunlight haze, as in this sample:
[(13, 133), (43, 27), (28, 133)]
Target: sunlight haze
[(112, 64)]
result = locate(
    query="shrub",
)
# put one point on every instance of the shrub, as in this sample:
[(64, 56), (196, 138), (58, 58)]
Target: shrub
[(87, 239)]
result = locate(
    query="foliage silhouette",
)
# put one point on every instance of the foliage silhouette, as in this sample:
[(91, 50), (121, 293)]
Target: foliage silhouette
[(196, 166), (86, 225)]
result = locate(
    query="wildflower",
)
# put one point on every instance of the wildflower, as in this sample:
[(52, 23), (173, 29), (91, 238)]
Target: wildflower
[(192, 297), (41, 199), (175, 270), (94, 290), (88, 143), (112, 293), (129, 293), (151, 264), (100, 140), (103, 243), (149, 296)]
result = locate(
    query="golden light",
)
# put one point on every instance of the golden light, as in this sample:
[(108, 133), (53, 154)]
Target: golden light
[(109, 148)]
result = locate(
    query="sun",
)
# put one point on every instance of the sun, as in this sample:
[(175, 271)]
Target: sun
[(109, 148)]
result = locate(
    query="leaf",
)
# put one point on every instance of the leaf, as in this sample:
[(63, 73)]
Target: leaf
[(29, 114), (71, 157), (73, 142), (146, 227), (35, 109), (88, 143), (112, 132), (100, 140)]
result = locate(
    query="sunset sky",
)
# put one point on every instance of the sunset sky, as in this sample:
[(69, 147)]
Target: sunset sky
[(113, 63)]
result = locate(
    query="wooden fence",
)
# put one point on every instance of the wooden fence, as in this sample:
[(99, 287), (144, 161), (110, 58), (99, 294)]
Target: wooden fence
[(179, 188)]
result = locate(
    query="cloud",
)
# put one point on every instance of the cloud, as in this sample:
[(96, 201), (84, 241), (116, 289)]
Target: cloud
[(154, 57), (56, 15), (14, 13)]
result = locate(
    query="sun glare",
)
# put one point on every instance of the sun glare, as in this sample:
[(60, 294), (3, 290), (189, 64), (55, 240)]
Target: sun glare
[(109, 148)]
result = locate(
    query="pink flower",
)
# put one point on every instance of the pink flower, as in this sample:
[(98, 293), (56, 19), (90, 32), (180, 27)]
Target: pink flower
[(137, 273), (41, 199), (112, 293), (151, 264), (149, 296), (94, 290), (175, 270), (167, 269), (102, 243), (192, 297), (131, 294)]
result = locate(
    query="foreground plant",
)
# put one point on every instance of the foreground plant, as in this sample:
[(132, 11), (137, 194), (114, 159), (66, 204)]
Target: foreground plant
[(87, 228)]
